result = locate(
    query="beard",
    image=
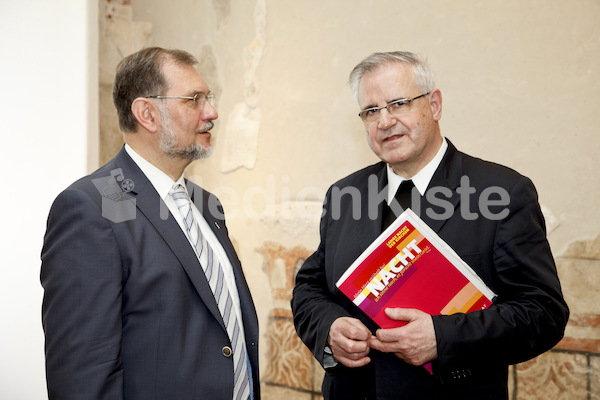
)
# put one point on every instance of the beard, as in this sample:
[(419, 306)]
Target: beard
[(168, 142)]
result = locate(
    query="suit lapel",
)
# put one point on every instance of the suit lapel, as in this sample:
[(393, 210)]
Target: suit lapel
[(447, 176), (216, 223), (373, 200), (149, 203)]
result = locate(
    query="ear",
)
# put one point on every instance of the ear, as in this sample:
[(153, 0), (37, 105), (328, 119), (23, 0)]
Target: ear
[(146, 113), (435, 100)]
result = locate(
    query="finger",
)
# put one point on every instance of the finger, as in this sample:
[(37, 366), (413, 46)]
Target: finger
[(402, 314), (390, 335), (386, 346), (352, 355), (350, 328), (389, 347), (355, 329), (347, 346), (354, 363), (377, 344)]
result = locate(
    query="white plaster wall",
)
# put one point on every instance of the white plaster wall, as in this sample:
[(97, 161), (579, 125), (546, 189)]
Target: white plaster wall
[(48, 120), (518, 80), (517, 77)]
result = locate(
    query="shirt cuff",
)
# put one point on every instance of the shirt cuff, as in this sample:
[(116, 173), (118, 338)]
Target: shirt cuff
[(328, 359)]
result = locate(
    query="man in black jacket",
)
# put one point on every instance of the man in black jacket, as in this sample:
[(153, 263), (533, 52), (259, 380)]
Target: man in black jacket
[(488, 213)]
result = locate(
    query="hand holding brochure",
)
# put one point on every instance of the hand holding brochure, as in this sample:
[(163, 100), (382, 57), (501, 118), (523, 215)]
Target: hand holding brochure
[(410, 266)]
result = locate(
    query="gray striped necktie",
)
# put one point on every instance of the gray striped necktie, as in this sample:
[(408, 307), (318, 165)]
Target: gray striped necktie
[(214, 274)]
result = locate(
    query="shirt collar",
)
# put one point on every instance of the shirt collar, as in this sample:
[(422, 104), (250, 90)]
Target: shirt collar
[(161, 181), (421, 179)]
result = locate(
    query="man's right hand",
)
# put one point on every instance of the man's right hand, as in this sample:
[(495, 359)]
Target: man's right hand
[(349, 342)]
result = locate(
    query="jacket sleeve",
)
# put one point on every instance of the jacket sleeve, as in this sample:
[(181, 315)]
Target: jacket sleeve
[(82, 276), (313, 306), (529, 314)]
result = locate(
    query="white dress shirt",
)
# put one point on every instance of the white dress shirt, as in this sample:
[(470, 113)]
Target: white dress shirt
[(163, 184), (421, 179)]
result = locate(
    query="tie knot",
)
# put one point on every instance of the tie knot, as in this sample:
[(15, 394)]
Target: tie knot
[(178, 192), (177, 189), (405, 186)]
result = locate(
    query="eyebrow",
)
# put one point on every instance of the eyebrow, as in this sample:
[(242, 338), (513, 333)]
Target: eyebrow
[(194, 92), (399, 98), (391, 101)]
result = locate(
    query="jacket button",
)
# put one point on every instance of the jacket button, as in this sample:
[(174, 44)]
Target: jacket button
[(226, 350)]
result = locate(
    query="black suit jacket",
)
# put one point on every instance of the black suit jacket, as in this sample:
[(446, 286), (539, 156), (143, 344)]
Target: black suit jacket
[(510, 254), (127, 310)]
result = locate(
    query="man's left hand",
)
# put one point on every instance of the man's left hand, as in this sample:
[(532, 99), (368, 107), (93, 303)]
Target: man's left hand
[(414, 342)]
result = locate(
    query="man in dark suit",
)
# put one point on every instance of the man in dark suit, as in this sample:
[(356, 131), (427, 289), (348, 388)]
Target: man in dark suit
[(487, 213), (129, 311)]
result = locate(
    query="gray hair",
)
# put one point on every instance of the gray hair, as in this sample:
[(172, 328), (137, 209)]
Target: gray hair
[(423, 73)]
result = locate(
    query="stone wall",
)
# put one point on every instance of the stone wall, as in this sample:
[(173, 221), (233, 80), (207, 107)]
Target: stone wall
[(519, 87)]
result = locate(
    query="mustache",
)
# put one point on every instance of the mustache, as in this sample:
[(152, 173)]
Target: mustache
[(209, 125)]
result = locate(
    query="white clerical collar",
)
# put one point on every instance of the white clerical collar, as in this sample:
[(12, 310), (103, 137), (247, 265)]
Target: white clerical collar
[(421, 179), (161, 181)]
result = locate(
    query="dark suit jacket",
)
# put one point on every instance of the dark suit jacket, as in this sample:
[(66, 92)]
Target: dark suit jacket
[(511, 255), (127, 310)]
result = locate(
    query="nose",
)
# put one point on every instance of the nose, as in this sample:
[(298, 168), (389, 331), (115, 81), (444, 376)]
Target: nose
[(209, 112), (386, 120)]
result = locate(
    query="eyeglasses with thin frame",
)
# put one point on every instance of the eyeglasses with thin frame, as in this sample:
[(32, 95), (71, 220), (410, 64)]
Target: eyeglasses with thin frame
[(199, 99), (396, 108)]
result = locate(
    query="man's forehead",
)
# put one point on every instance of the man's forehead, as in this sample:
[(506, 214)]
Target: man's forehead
[(184, 77), (395, 72), (392, 79)]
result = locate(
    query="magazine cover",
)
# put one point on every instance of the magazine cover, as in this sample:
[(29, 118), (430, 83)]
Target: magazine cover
[(409, 266)]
